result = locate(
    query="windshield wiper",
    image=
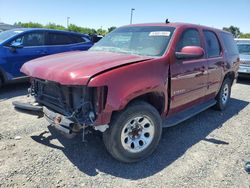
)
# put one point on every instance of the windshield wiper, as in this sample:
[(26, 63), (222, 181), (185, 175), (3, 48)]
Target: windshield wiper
[(111, 49)]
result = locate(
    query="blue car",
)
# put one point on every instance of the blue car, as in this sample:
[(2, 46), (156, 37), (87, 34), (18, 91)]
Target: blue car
[(18, 46)]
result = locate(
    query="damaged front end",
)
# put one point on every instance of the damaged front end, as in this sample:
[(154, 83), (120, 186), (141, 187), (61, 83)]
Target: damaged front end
[(68, 108)]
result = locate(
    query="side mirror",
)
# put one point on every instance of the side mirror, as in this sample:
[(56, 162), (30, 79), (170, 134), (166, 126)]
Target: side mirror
[(16, 45), (190, 52)]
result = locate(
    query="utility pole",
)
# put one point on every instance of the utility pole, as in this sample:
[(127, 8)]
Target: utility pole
[(131, 15), (68, 22)]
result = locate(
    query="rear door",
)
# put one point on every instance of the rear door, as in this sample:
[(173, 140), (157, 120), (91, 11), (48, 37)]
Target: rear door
[(215, 62), (188, 77), (58, 42), (32, 47)]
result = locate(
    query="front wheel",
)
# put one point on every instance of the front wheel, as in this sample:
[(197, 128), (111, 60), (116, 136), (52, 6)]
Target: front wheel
[(224, 94), (1, 82), (134, 133)]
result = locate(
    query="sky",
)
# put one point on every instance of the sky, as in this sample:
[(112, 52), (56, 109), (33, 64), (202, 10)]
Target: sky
[(104, 14)]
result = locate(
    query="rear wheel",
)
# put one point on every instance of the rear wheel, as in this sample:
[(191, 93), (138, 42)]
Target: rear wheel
[(224, 94), (134, 133)]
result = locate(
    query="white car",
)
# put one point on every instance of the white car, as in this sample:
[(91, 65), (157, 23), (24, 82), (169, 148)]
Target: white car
[(244, 50)]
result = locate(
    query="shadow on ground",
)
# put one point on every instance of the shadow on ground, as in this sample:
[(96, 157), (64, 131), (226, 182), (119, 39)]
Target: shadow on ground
[(244, 80), (92, 157), (13, 90)]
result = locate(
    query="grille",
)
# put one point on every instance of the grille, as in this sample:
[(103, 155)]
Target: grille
[(53, 95), (60, 98), (75, 102), (66, 100)]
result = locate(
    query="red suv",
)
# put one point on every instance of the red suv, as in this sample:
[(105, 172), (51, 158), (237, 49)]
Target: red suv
[(133, 82)]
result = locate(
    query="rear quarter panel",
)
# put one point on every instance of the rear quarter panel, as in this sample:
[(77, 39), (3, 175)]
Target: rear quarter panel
[(231, 61)]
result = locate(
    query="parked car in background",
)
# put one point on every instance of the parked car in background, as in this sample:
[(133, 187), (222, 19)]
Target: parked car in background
[(20, 45), (95, 38), (244, 50), (135, 81)]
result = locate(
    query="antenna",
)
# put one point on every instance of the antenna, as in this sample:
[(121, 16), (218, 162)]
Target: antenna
[(167, 21)]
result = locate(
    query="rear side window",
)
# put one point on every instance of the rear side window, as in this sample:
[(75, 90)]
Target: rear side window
[(58, 39), (77, 39), (64, 39), (212, 44), (189, 37), (229, 43)]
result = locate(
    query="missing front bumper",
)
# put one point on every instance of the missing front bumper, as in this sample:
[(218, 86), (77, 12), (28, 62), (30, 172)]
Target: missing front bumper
[(28, 108), (59, 121)]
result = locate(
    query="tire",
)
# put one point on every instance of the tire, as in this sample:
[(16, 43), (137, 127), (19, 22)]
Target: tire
[(223, 97), (1, 82), (134, 133)]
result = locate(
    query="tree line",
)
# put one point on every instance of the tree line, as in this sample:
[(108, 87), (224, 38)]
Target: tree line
[(72, 27), (236, 32)]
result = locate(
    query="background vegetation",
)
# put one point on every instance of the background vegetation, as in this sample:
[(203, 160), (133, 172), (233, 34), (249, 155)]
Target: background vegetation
[(236, 32), (72, 27)]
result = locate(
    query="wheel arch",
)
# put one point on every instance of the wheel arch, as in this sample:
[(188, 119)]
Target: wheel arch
[(3, 76), (156, 99), (230, 75)]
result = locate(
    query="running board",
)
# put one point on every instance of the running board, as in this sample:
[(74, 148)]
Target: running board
[(186, 114)]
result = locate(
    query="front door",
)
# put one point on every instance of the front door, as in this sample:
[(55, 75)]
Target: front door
[(31, 47), (188, 77)]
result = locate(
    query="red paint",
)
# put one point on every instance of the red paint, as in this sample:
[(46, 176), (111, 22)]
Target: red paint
[(192, 81), (76, 68), (128, 82), (193, 50)]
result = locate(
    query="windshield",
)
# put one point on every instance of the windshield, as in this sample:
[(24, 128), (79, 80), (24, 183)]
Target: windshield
[(8, 34), (147, 41), (244, 49)]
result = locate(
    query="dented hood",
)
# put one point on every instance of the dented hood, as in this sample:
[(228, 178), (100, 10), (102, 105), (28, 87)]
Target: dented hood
[(76, 68)]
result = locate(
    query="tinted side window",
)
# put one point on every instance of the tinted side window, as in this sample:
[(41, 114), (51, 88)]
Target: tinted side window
[(77, 39), (229, 43), (31, 39), (58, 39), (190, 37), (212, 44)]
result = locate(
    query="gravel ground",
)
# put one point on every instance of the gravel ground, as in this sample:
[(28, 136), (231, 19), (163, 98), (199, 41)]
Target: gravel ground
[(208, 150)]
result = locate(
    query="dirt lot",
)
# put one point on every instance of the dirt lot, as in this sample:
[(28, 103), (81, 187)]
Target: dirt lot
[(209, 150)]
